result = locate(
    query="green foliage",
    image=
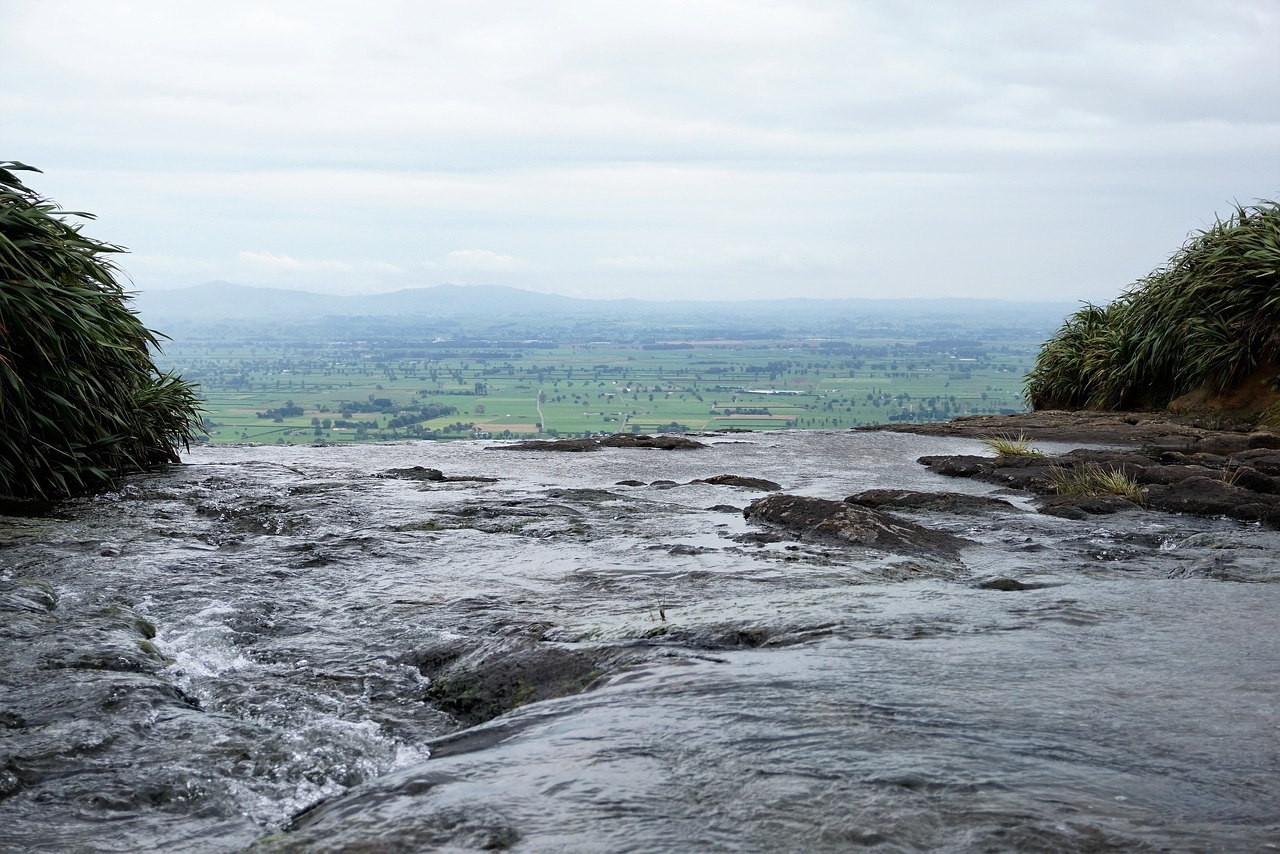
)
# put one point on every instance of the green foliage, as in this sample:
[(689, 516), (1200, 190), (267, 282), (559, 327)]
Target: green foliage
[(1210, 315), (1012, 446), (1094, 479), (80, 399)]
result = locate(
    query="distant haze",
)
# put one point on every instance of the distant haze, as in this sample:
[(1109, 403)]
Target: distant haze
[(662, 150), (206, 306)]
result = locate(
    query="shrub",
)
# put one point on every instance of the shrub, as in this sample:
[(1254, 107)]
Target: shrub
[(81, 400), (1209, 316), (1094, 479), (1012, 446)]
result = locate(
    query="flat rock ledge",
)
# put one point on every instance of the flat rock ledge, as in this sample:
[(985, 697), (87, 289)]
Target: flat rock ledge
[(429, 475), (617, 440), (1242, 485), (939, 502), (1125, 429), (741, 481), (841, 523)]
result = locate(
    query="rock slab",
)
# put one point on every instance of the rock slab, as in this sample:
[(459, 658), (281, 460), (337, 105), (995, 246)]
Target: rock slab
[(823, 520)]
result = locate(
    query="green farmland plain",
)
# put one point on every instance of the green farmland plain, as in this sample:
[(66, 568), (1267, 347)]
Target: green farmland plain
[(347, 383)]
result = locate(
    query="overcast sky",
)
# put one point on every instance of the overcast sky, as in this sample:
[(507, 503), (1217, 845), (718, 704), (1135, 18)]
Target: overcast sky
[(657, 149)]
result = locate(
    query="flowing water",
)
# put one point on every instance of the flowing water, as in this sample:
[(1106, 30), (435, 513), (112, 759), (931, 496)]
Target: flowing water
[(277, 649)]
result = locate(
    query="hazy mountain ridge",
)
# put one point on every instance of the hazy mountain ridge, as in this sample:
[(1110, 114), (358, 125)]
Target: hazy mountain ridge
[(228, 301)]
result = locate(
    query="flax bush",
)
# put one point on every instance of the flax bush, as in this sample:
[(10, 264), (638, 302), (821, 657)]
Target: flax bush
[(81, 401), (1211, 315)]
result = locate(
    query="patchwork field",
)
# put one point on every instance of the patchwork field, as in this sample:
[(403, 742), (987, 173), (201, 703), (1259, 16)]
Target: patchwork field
[(301, 389)]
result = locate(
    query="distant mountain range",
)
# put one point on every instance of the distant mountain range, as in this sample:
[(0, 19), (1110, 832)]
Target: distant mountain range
[(223, 301)]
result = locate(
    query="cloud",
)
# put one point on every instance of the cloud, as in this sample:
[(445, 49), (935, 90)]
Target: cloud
[(701, 147), (638, 264), (273, 262), (484, 261)]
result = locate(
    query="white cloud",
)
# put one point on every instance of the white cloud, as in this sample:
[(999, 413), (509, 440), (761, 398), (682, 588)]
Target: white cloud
[(484, 261), (273, 262), (639, 264)]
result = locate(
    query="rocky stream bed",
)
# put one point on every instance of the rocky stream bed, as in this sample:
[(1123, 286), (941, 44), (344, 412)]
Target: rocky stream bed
[(756, 642)]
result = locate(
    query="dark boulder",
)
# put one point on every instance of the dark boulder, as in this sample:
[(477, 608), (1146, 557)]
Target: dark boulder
[(943, 502), (1133, 429), (1166, 474), (430, 475), (1009, 585), (415, 473), (476, 682), (1214, 496), (1253, 480), (1267, 462), (641, 440), (823, 520), (742, 481), (617, 440), (562, 445), (1083, 506)]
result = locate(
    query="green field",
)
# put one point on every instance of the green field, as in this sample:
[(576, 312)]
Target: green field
[(302, 388)]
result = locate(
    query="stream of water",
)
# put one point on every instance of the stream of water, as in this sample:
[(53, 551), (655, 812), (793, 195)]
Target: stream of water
[(277, 648)]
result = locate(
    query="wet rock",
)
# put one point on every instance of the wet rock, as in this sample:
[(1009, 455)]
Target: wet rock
[(392, 815), (583, 494), (1264, 439), (742, 481), (943, 502), (429, 475), (1033, 474), (1215, 540), (1216, 567), (641, 440), (1165, 474), (717, 637), (760, 538), (679, 549), (724, 508), (1267, 462), (822, 520), (617, 440), (567, 446), (414, 473), (1011, 584), (630, 483), (1079, 507), (476, 683), (1201, 484), (1214, 496), (1134, 429), (1253, 480), (27, 594), (664, 484)]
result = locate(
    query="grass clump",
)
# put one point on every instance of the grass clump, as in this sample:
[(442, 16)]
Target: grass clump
[(81, 400), (1209, 316), (1012, 446), (1093, 479)]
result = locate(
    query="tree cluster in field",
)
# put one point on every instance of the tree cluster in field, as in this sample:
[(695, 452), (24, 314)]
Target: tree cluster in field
[(289, 410)]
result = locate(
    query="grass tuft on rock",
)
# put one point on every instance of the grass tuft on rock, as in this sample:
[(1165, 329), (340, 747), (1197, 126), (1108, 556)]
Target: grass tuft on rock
[(1006, 445), (1094, 479), (81, 400), (1206, 319)]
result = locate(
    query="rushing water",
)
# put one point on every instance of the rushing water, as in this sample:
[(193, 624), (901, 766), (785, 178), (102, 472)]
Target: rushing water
[(256, 651)]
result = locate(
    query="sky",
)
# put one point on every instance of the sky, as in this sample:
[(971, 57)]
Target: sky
[(660, 149)]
